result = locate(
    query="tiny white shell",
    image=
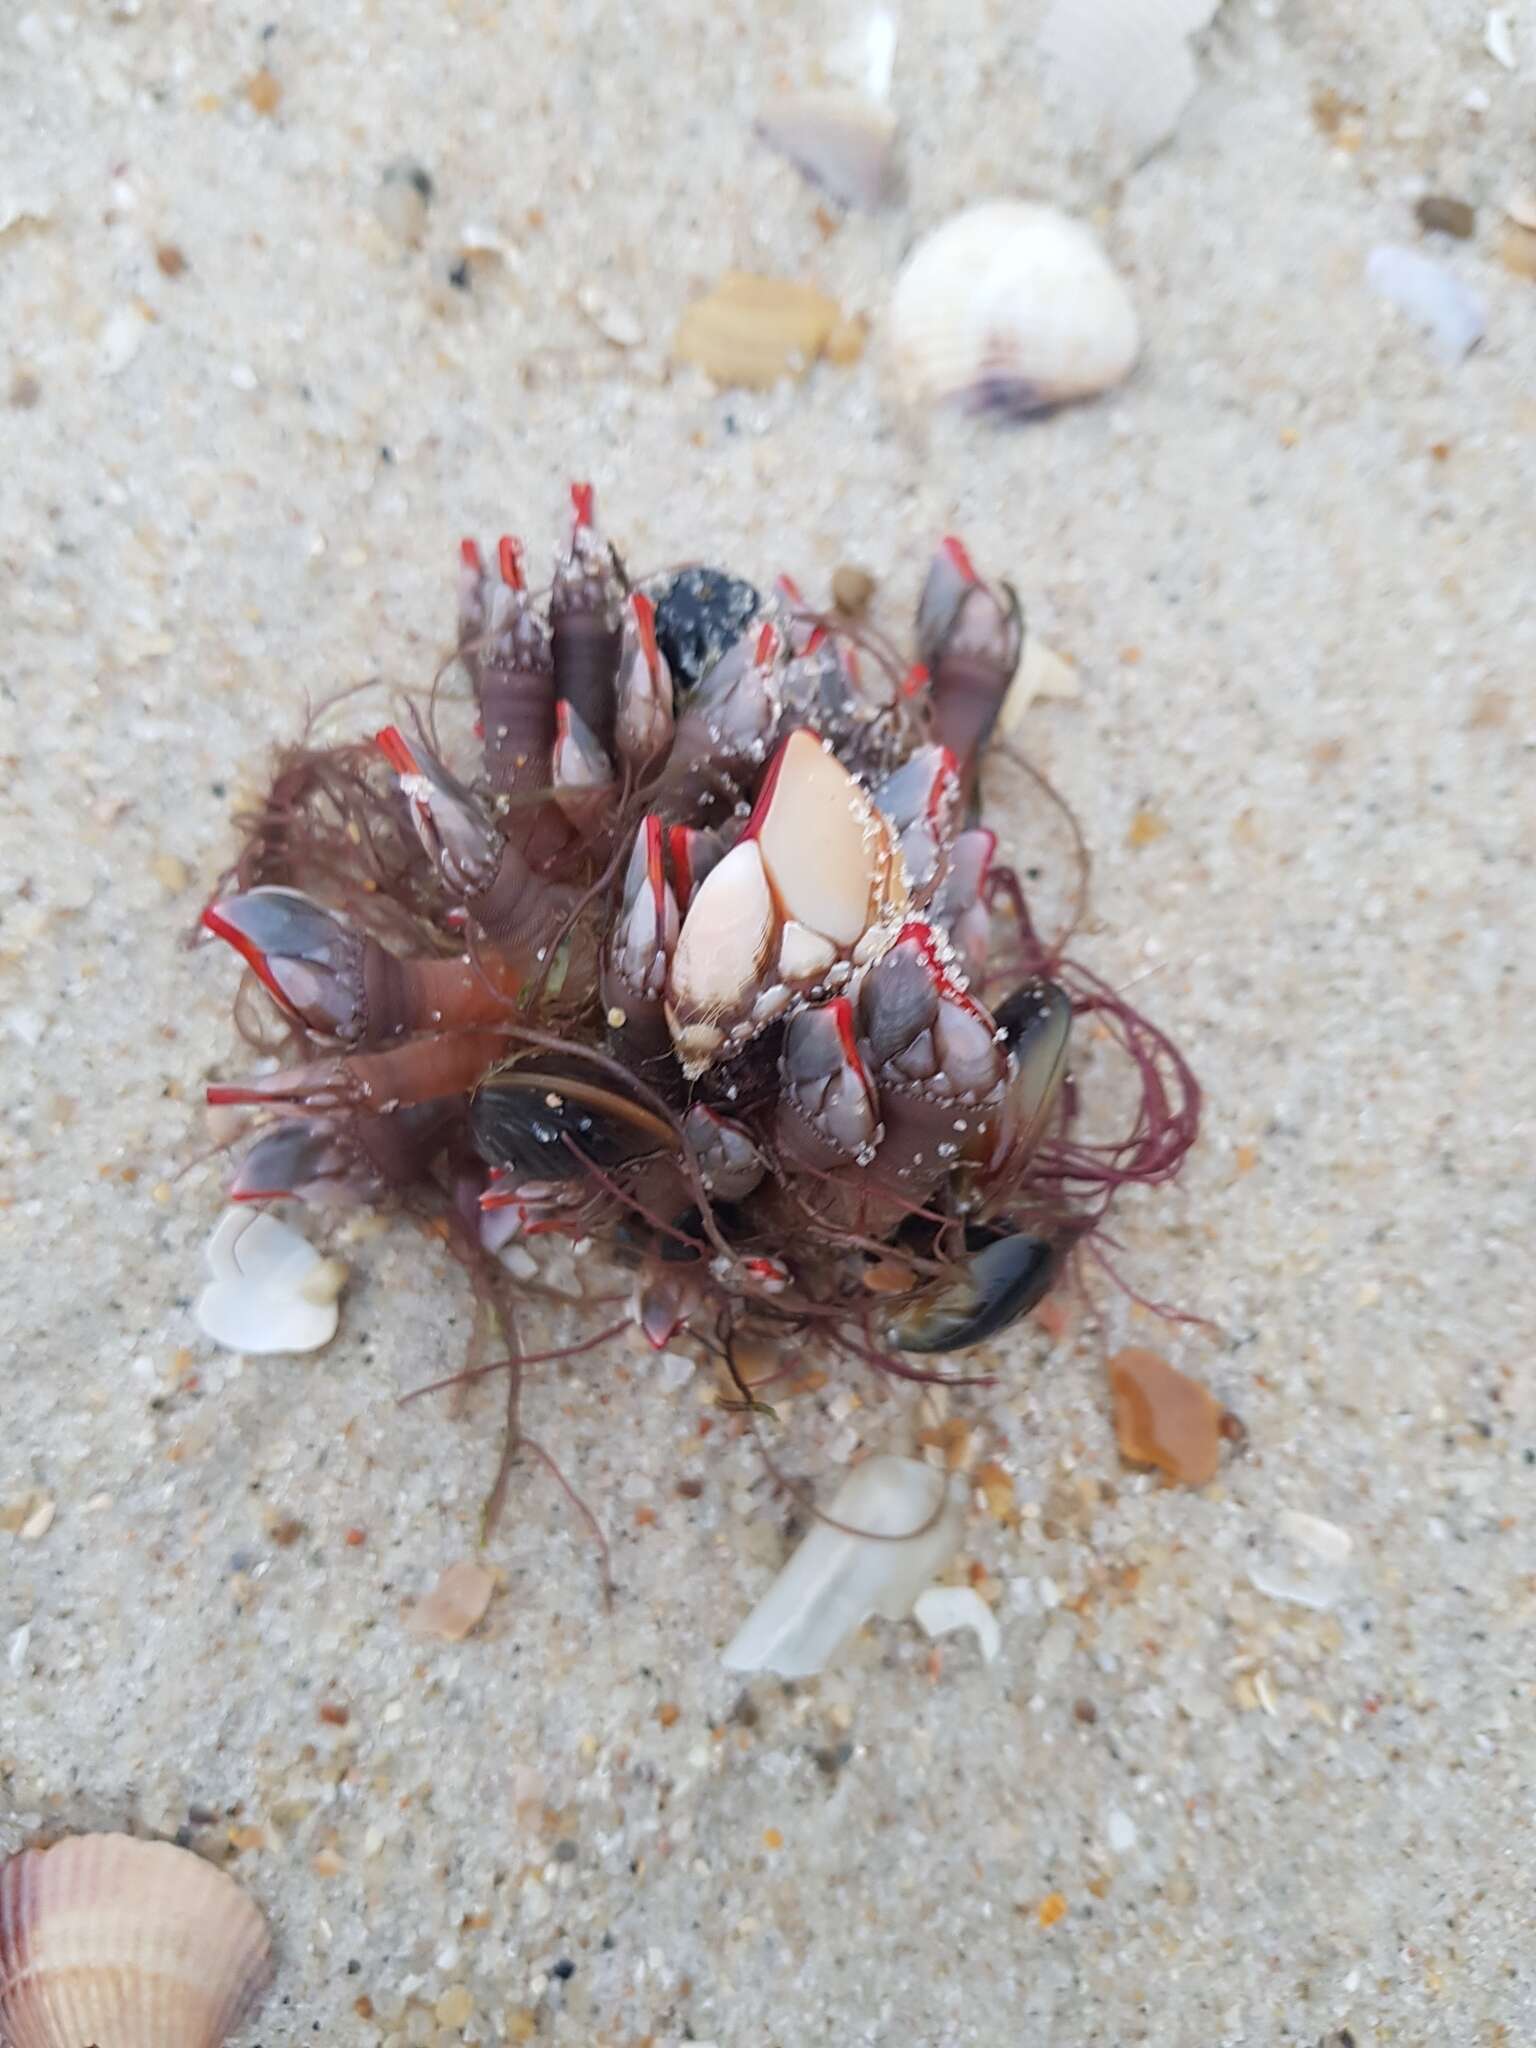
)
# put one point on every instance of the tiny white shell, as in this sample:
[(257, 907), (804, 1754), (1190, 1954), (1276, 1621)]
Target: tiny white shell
[(836, 1580), (943, 1609), (1011, 307), (271, 1290), (129, 1944)]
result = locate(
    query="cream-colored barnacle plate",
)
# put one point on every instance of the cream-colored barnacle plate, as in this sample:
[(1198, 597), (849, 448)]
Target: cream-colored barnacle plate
[(815, 873), (722, 952)]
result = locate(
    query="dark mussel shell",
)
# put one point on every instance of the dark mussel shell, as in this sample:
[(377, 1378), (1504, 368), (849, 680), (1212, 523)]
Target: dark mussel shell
[(700, 615), (1036, 1021), (1003, 1275), (547, 1118)]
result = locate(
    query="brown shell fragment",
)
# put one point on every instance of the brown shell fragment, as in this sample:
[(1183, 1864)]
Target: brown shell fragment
[(1164, 1418), (120, 1943), (754, 330)]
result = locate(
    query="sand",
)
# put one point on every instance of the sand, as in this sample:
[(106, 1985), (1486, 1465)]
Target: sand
[(1291, 561)]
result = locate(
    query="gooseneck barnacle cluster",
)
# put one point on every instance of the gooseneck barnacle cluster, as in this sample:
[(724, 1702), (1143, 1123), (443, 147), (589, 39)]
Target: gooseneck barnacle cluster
[(706, 954)]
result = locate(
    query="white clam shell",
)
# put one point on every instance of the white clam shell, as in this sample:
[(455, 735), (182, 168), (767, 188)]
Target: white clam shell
[(127, 1944), (271, 1290), (1011, 306), (836, 1580)]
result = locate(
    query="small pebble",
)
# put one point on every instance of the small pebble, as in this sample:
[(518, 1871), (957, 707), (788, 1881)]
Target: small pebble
[(455, 2008), (264, 93), (25, 391), (1517, 250), (852, 589), (172, 874), (1120, 1831), (1440, 215), (169, 260), (39, 1522), (402, 200), (456, 1605), (613, 322), (120, 340)]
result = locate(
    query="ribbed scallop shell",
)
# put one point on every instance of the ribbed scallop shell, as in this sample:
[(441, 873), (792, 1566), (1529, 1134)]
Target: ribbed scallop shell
[(108, 1942), (1011, 307)]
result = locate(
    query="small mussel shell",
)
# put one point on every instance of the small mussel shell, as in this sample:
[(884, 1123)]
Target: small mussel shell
[(1003, 1277), (546, 1117), (120, 1943), (700, 614), (1036, 1021)]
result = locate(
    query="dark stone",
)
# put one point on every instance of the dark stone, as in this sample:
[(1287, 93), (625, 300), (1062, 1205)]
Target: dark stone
[(700, 615)]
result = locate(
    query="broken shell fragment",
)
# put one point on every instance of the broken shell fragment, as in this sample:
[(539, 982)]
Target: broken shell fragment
[(1164, 1418), (1431, 296), (942, 1609), (754, 330), (841, 141), (902, 1523), (1126, 67), (125, 1944), (456, 1605), (271, 1290), (1013, 308)]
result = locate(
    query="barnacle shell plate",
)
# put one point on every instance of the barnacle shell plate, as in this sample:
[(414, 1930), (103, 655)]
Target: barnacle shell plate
[(1012, 307), (125, 1944)]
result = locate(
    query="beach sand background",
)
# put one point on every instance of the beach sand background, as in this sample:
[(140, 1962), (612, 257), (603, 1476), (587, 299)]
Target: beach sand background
[(1291, 561)]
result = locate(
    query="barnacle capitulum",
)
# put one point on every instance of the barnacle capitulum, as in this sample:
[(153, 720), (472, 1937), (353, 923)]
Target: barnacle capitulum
[(122, 1943), (708, 957)]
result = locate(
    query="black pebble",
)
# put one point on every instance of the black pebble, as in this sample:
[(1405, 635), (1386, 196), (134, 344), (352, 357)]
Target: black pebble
[(565, 1970), (700, 615)]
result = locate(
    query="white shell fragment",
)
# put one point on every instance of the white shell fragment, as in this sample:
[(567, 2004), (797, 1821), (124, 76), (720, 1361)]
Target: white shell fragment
[(1042, 673), (943, 1609), (836, 1580), (1499, 38), (841, 141), (128, 1944), (1305, 1561), (271, 1290), (1010, 307), (1126, 68), (865, 58), (1433, 298)]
